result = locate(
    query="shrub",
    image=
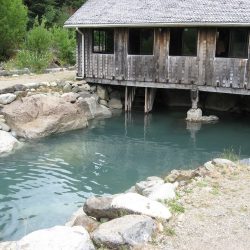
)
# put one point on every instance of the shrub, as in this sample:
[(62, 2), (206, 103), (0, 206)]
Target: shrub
[(64, 44), (13, 21), (36, 62), (39, 39)]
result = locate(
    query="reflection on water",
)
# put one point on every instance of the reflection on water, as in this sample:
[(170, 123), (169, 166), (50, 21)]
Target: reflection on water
[(44, 182)]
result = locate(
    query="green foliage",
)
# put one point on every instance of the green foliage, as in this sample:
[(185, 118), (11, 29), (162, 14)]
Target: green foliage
[(169, 231), (175, 207), (33, 60), (64, 44), (13, 20), (39, 39), (230, 154)]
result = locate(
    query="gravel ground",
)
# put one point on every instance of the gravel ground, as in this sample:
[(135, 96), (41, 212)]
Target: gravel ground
[(216, 216), (26, 79)]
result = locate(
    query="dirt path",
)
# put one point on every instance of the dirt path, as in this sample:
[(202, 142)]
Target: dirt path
[(26, 79), (216, 216)]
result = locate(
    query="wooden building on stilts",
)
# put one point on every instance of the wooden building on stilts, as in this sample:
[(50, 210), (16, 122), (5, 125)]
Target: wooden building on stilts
[(197, 45)]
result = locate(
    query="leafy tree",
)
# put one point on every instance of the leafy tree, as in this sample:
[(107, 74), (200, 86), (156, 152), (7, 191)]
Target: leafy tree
[(64, 44), (13, 21)]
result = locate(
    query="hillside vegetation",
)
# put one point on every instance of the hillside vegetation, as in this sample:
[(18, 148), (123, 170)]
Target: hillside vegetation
[(32, 33)]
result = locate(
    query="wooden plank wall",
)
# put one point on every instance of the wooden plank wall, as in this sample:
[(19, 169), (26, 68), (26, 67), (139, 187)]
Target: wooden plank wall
[(203, 69)]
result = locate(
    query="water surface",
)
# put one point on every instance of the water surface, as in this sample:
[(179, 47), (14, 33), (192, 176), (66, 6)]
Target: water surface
[(42, 184)]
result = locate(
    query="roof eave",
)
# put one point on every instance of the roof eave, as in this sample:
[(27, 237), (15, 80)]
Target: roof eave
[(193, 24)]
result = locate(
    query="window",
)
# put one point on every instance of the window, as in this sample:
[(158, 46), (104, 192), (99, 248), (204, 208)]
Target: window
[(103, 41), (183, 42), (141, 41), (232, 43)]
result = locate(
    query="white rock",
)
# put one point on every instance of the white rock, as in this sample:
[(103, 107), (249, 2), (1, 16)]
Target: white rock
[(129, 230), (4, 127), (7, 98), (141, 205), (163, 192), (7, 142), (53, 84), (70, 97), (194, 115), (57, 238), (104, 103), (223, 163), (142, 186)]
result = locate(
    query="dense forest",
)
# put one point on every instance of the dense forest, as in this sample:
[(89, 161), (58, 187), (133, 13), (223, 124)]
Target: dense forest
[(32, 33)]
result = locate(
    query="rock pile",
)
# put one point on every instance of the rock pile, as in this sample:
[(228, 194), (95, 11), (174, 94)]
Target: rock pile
[(40, 109)]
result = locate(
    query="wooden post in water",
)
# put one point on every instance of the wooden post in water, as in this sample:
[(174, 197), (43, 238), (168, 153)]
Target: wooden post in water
[(129, 98), (150, 94)]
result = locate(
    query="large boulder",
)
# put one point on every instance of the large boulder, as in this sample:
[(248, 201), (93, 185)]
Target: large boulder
[(7, 142), (41, 115), (129, 203), (129, 230), (56, 238), (115, 103)]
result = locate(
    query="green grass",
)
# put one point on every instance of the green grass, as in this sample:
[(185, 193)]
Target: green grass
[(169, 231), (230, 154), (175, 207)]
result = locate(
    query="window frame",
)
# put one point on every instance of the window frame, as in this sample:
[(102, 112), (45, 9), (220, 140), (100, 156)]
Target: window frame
[(230, 45), (182, 41), (93, 41), (153, 45)]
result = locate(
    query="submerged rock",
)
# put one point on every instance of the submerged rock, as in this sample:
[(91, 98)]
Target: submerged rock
[(41, 115), (7, 142), (56, 238), (129, 203), (129, 230)]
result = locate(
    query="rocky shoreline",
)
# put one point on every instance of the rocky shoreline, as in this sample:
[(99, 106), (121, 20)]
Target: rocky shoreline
[(40, 109), (144, 217)]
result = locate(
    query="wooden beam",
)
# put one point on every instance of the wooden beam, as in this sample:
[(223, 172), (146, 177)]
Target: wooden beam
[(203, 88)]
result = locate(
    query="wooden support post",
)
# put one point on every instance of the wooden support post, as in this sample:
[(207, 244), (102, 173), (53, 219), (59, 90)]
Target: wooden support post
[(150, 94), (194, 98), (129, 98), (126, 99)]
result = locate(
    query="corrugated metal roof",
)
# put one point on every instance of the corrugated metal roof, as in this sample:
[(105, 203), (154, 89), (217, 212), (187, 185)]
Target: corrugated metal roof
[(161, 12)]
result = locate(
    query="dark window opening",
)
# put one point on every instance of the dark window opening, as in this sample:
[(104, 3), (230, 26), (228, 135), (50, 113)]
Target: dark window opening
[(141, 41), (232, 43), (103, 41), (183, 42)]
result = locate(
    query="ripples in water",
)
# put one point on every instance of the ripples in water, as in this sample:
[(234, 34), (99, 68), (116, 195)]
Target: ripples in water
[(42, 184)]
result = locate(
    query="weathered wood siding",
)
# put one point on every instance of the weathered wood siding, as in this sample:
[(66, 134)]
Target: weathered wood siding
[(202, 70), (79, 56)]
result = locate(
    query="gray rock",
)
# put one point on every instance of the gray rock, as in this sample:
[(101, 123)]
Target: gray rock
[(93, 88), (102, 92), (104, 103), (141, 186), (20, 93), (245, 162), (128, 203), (41, 115), (88, 223), (4, 127), (7, 98), (20, 87), (57, 238), (130, 230), (7, 90), (70, 97), (7, 142), (75, 89), (195, 115), (115, 103), (67, 88)]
